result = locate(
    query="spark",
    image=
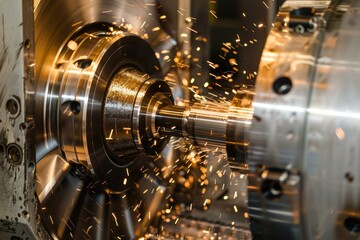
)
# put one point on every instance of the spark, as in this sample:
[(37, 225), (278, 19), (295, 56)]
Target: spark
[(235, 209), (207, 201), (115, 219), (225, 50), (265, 5), (180, 12), (188, 19), (72, 45), (137, 205), (340, 133), (156, 29), (88, 229), (233, 62), (110, 135), (189, 28), (213, 13)]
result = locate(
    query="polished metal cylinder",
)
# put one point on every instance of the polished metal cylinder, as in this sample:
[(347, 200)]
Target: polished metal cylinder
[(131, 103), (172, 120), (204, 122), (216, 126), (207, 124)]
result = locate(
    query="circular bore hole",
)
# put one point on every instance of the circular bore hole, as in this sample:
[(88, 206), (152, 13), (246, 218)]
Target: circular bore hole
[(299, 29), (25, 214), (23, 127), (14, 154), (12, 106), (282, 85), (352, 224), (271, 189), (75, 107), (83, 63)]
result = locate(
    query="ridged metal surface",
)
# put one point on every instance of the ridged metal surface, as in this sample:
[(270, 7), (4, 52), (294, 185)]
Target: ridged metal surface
[(117, 114)]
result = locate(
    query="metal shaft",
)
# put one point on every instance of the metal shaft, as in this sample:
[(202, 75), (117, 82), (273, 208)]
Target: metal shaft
[(209, 124), (203, 122), (172, 120)]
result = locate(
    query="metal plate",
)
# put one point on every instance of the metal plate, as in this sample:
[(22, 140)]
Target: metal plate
[(304, 124), (18, 216)]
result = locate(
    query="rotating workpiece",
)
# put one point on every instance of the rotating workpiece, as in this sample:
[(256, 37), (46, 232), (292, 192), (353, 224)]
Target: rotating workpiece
[(114, 152), (114, 116), (94, 177), (99, 98)]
